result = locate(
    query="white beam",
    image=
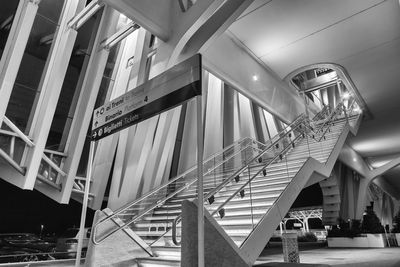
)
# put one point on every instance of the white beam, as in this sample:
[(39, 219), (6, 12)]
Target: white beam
[(14, 50), (87, 98), (50, 89), (84, 15)]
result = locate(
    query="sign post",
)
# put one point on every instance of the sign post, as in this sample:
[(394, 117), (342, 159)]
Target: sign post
[(200, 205), (85, 204), (171, 88)]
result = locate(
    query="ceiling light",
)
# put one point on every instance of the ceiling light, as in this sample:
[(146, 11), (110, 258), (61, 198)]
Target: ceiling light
[(346, 95), (46, 40), (255, 78)]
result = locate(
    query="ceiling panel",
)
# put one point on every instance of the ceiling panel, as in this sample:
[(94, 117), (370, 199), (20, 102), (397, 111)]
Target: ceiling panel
[(375, 73), (282, 22), (337, 43), (363, 36), (253, 6)]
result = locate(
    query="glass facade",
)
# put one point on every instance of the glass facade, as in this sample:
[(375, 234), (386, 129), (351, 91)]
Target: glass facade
[(26, 90), (7, 12)]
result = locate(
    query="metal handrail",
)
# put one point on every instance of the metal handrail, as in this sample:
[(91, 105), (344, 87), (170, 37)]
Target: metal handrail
[(302, 123), (331, 118), (174, 179), (255, 175), (333, 115), (157, 203), (238, 172)]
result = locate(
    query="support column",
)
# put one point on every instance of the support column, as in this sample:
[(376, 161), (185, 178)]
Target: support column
[(14, 50), (51, 84), (361, 198), (87, 98)]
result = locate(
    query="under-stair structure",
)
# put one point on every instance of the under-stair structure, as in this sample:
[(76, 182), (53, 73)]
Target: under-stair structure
[(331, 203), (248, 187)]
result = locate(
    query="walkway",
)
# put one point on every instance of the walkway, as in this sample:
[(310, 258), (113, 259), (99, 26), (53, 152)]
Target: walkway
[(368, 257)]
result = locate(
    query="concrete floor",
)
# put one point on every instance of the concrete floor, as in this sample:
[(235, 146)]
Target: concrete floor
[(371, 257), (313, 255)]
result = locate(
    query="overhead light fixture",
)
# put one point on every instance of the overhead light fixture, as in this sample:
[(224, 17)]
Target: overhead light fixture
[(46, 40), (346, 95), (6, 24), (255, 78)]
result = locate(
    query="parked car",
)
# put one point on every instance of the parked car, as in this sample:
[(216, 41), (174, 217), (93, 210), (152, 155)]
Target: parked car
[(24, 247), (30, 241), (67, 243)]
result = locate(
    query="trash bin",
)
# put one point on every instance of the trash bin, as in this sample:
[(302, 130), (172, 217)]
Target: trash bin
[(290, 247)]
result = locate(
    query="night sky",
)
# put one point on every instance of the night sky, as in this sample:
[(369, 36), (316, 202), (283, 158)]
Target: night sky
[(25, 210)]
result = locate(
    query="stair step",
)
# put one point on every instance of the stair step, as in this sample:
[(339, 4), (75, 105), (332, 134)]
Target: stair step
[(166, 251), (155, 261), (241, 213)]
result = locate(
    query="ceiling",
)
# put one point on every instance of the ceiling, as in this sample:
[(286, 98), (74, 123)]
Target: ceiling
[(363, 36)]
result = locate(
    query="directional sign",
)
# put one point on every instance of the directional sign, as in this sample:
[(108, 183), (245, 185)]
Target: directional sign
[(165, 91)]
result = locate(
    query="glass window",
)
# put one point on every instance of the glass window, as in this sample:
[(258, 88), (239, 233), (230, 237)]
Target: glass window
[(26, 89), (71, 88), (270, 124), (7, 13)]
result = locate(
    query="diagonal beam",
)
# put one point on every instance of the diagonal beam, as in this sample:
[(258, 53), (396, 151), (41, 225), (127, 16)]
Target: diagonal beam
[(383, 169)]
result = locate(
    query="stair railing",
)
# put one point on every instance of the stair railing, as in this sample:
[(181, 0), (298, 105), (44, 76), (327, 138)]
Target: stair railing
[(160, 194), (300, 125), (220, 208), (259, 147), (297, 124)]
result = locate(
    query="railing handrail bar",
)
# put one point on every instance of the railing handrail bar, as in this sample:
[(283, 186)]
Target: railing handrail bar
[(174, 224), (176, 178), (171, 181), (20, 134), (155, 204), (333, 115), (236, 173), (263, 168), (330, 116), (179, 190), (336, 108), (221, 185), (255, 175)]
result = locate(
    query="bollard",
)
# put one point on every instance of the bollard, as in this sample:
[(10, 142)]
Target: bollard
[(290, 247)]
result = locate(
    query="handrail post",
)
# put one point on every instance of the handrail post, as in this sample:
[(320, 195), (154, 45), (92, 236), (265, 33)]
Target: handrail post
[(84, 204), (200, 198)]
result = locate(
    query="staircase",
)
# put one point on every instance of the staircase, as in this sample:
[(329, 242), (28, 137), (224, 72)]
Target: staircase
[(331, 207), (243, 185)]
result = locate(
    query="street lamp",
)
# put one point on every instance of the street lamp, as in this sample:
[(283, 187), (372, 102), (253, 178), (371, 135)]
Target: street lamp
[(41, 230)]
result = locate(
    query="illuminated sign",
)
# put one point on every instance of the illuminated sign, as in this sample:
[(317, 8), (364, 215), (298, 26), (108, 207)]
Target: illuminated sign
[(165, 91)]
